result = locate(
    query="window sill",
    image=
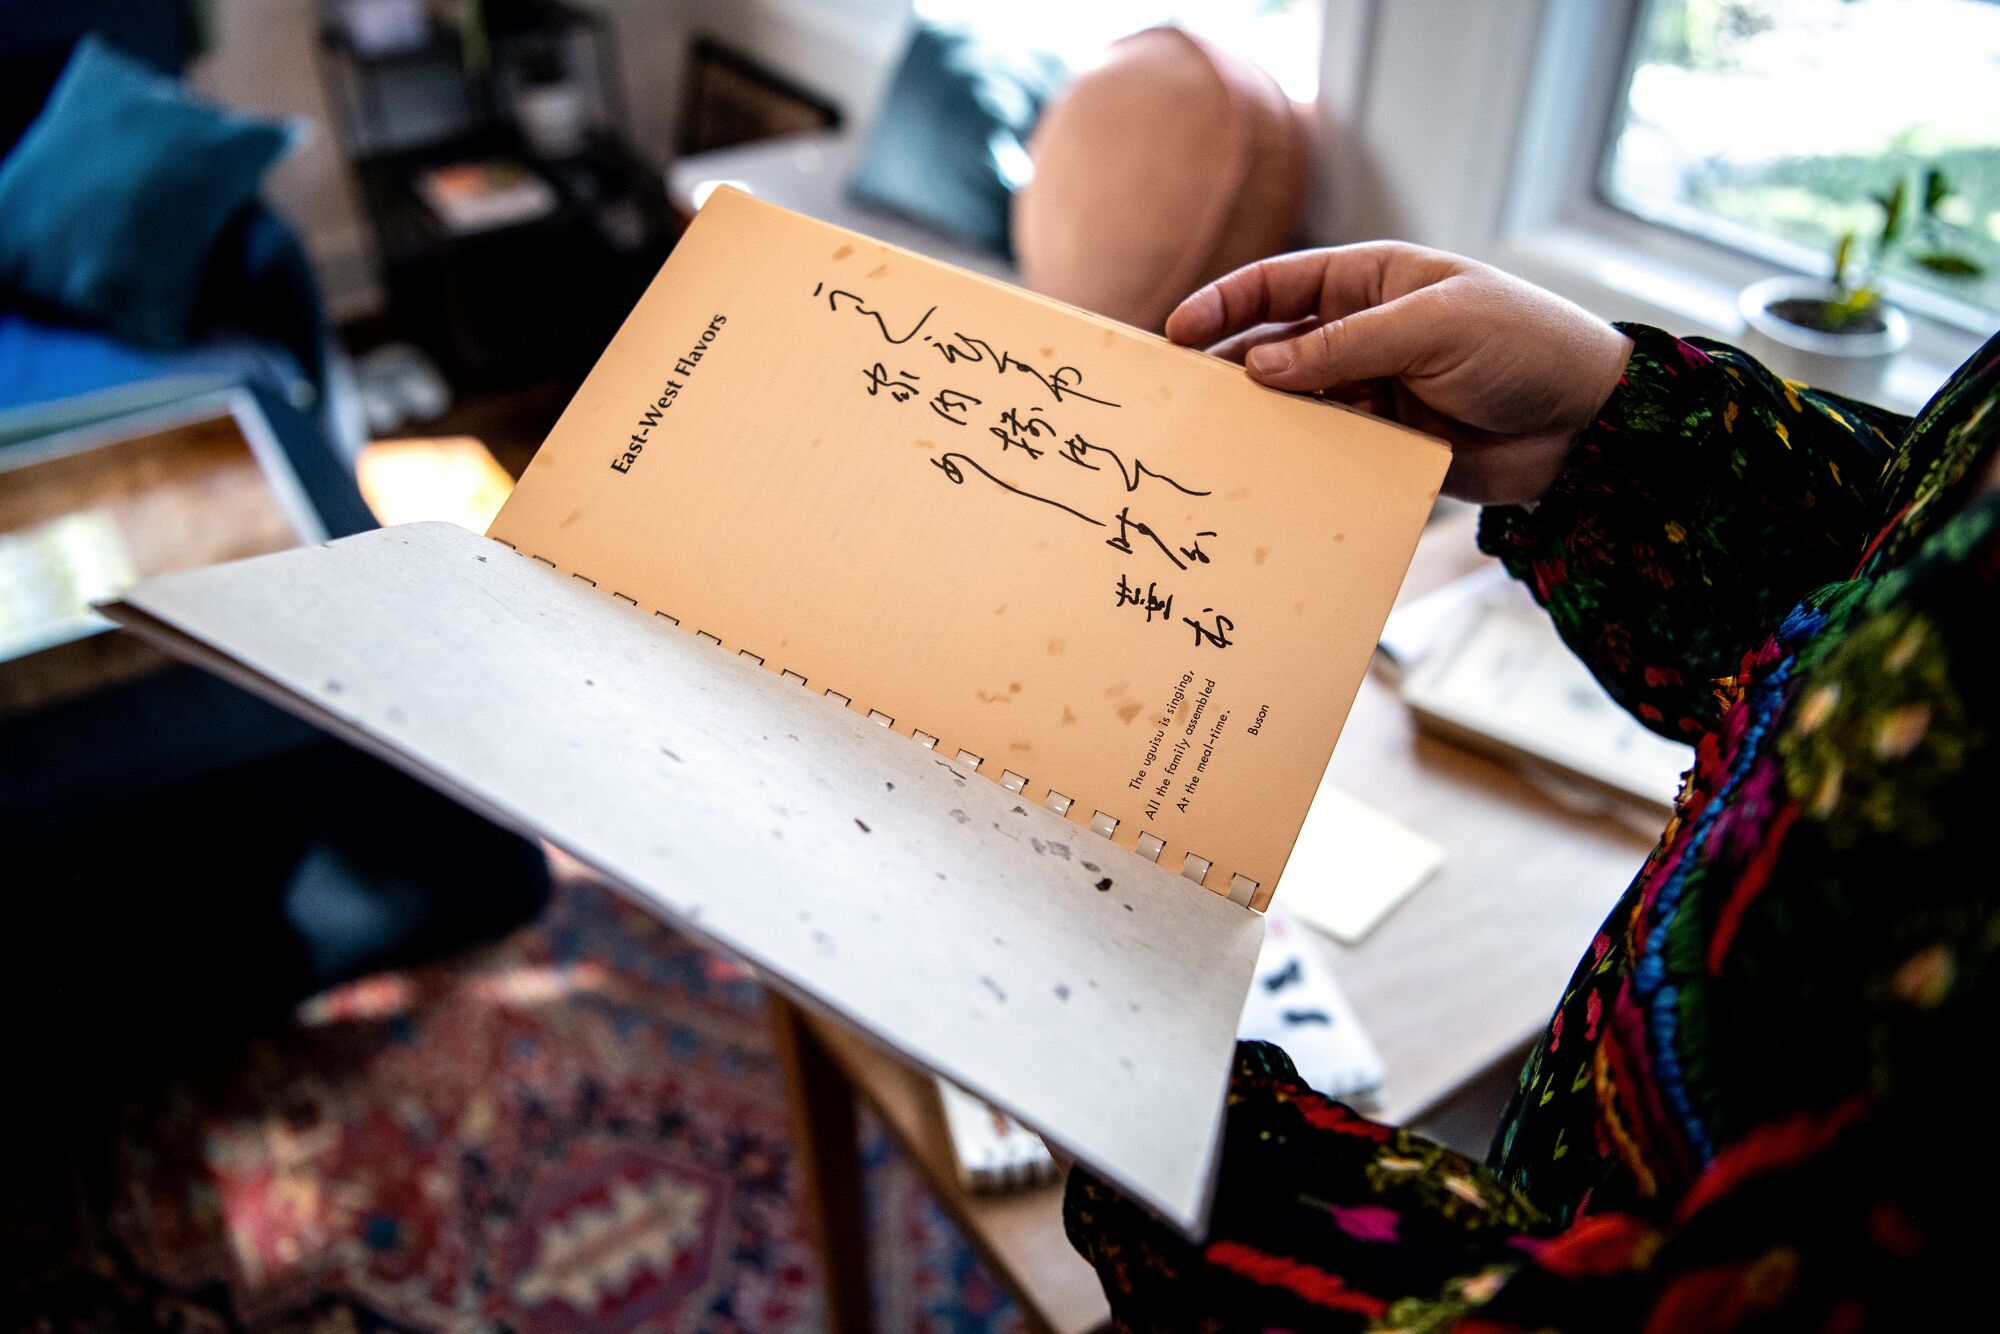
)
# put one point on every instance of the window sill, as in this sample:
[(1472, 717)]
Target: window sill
[(1668, 280)]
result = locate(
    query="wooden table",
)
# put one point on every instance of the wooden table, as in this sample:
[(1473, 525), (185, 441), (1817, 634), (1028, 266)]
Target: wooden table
[(1466, 973), (1459, 979), (1018, 1236)]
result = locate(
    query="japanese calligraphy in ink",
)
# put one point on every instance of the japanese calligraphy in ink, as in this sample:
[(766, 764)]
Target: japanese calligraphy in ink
[(1022, 437)]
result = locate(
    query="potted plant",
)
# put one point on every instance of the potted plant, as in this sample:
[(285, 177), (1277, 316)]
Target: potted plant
[(1839, 331)]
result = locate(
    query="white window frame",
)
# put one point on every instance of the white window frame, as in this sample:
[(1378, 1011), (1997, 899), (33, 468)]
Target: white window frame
[(1478, 126)]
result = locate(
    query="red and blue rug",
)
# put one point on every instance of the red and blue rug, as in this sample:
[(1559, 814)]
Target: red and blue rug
[(581, 1128)]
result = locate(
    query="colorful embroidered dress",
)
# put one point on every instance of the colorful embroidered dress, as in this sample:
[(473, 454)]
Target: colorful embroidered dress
[(1759, 1101)]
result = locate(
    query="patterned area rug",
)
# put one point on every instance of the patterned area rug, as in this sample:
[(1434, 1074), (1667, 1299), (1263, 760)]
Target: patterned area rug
[(580, 1128)]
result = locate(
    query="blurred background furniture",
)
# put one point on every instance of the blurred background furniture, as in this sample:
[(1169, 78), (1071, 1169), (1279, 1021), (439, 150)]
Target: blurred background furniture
[(199, 860), (733, 99), (85, 513), (1168, 165), (933, 168), (89, 721), (259, 318), (1119, 190), (513, 221), (809, 173)]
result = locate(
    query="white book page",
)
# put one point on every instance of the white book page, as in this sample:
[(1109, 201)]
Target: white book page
[(1085, 991)]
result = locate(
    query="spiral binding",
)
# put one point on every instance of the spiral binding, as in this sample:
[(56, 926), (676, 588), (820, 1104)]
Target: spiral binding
[(1242, 889)]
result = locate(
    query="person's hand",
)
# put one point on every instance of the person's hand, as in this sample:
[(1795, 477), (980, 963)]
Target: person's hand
[(1505, 372)]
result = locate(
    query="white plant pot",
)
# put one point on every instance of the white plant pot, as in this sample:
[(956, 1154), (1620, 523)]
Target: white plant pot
[(1851, 362)]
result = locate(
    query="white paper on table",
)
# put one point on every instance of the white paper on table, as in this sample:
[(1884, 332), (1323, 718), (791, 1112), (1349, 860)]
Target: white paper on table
[(1297, 1003), (1503, 681), (994, 1152), (1414, 629), (1353, 865)]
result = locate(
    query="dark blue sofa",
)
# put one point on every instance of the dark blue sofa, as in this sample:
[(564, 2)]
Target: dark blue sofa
[(261, 321)]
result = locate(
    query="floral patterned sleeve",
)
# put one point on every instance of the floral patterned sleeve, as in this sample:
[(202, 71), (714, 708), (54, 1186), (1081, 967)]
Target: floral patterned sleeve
[(1331, 1222), (1758, 1103), (1707, 498)]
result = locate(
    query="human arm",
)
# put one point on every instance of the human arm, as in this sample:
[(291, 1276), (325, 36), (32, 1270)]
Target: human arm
[(1788, 1141), (1704, 500), (1667, 501), (1326, 1220)]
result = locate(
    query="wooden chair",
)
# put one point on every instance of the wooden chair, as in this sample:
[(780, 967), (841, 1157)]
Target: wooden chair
[(1019, 1235)]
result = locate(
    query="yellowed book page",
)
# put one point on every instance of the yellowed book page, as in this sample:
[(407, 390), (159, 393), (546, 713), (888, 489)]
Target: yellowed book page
[(1088, 994), (1113, 570)]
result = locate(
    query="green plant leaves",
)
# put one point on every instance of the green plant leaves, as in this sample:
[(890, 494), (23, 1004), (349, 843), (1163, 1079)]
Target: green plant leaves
[(1843, 255), (1850, 307), (1937, 189), (1947, 264), (1894, 205)]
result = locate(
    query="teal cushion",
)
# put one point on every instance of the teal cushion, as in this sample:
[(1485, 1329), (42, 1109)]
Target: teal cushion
[(949, 147), (116, 194)]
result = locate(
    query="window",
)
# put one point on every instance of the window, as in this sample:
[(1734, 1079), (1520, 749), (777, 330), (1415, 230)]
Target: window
[(1281, 35), (1768, 125)]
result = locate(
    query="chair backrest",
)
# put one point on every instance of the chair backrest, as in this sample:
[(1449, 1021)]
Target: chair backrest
[(1167, 165)]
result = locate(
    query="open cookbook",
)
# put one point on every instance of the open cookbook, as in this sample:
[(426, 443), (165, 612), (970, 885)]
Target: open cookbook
[(964, 662)]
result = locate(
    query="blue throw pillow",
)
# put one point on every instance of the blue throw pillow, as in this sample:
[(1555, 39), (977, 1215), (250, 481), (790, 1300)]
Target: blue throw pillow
[(949, 147), (115, 195)]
